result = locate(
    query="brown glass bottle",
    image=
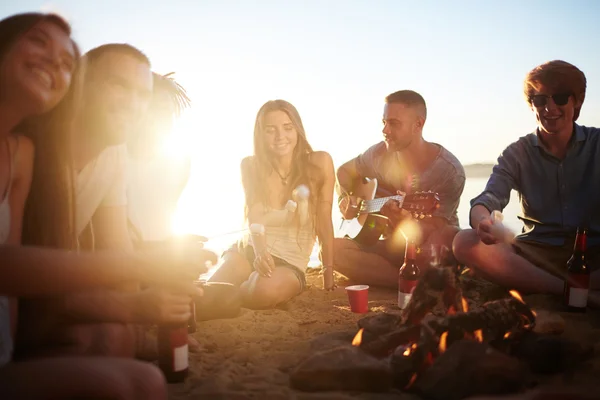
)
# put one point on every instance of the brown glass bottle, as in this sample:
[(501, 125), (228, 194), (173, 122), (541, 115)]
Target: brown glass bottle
[(409, 275), (577, 283), (173, 351)]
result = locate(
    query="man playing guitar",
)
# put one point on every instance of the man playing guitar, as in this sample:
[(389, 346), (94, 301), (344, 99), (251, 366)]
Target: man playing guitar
[(402, 163)]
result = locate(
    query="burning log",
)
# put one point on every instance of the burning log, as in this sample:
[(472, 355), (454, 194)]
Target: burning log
[(497, 318), (437, 292)]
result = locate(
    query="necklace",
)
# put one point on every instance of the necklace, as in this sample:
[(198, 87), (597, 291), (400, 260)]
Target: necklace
[(284, 179)]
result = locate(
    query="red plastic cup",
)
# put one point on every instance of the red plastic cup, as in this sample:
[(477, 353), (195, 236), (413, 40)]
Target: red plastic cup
[(358, 296)]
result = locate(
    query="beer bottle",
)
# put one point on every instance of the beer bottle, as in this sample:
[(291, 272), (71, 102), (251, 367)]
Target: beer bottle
[(408, 276), (577, 283), (173, 351)]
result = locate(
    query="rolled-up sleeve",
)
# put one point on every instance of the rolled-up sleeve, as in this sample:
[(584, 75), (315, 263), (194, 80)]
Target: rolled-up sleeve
[(504, 178)]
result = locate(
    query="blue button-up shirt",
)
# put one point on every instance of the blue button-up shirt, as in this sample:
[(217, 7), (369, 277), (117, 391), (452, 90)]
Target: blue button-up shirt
[(556, 196)]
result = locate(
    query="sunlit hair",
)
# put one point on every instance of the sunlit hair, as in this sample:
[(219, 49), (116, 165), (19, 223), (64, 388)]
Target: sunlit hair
[(409, 98), (303, 171), (122, 48), (169, 100), (49, 210), (560, 77)]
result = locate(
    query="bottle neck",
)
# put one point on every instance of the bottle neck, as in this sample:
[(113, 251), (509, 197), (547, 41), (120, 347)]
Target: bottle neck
[(580, 242), (411, 251)]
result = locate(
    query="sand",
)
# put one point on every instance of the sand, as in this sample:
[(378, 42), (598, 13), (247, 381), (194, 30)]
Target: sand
[(251, 356)]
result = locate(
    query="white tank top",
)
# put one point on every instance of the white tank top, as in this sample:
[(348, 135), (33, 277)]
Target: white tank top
[(6, 342), (285, 241)]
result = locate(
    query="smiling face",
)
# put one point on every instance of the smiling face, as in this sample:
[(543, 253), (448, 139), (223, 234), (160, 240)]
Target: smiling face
[(280, 135), (37, 69), (554, 112), (117, 94)]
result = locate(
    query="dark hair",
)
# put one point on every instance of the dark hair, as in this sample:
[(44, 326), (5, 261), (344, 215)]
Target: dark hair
[(15, 26), (560, 77), (94, 54), (49, 210), (408, 97)]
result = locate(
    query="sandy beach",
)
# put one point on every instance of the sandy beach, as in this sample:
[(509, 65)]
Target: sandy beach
[(251, 356)]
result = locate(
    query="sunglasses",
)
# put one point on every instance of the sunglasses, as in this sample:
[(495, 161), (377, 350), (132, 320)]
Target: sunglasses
[(540, 100)]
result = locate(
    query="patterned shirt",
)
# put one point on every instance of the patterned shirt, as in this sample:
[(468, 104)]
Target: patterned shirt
[(556, 196)]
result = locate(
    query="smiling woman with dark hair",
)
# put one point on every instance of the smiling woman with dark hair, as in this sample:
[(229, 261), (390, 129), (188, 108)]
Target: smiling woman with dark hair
[(38, 60)]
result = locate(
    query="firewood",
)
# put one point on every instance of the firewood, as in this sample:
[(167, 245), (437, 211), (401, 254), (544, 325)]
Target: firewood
[(496, 317)]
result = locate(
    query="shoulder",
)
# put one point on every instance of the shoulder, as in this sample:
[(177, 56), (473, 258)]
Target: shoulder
[(247, 163), (23, 149), (450, 161), (520, 146), (378, 149), (592, 134), (321, 159)]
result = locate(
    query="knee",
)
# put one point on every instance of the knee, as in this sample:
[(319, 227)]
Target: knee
[(149, 381), (340, 250), (463, 244), (260, 294)]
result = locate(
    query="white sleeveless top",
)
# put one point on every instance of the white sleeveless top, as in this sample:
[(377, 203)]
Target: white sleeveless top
[(6, 342), (285, 241)]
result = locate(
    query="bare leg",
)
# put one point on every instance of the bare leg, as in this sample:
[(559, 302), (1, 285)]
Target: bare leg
[(363, 267), (502, 265), (261, 292), (235, 269), (82, 378)]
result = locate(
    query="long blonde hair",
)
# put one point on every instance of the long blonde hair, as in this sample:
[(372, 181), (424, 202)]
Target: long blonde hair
[(303, 172)]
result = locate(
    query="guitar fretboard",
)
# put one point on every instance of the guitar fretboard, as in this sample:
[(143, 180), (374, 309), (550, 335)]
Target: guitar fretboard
[(375, 205)]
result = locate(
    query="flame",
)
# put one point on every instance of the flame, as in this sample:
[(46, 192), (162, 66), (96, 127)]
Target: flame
[(465, 305), (358, 338), (478, 335), (465, 271), (516, 295), (534, 313), (443, 339), (413, 378), (451, 310), (409, 350), (507, 335)]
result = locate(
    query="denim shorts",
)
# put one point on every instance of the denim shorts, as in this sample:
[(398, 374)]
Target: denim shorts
[(247, 251)]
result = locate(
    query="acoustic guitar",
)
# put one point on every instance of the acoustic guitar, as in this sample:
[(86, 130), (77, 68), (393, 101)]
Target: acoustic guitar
[(371, 224)]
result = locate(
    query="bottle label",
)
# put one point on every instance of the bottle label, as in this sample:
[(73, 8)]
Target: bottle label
[(405, 290), (180, 358), (403, 299), (577, 290)]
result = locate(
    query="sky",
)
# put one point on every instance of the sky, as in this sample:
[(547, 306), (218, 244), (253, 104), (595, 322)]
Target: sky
[(336, 60)]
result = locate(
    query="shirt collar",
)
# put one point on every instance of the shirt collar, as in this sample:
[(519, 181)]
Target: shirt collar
[(579, 136)]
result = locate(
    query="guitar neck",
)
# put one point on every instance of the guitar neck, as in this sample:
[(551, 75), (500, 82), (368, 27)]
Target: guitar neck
[(375, 205)]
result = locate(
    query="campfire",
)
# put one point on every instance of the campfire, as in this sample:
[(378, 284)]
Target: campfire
[(440, 347), (438, 316)]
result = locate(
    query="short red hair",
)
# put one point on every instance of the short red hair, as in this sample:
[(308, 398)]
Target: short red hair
[(560, 77)]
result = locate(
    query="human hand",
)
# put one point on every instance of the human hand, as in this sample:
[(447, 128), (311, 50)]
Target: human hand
[(392, 210), (176, 263), (264, 264), (485, 231), (349, 206), (158, 306), (329, 283)]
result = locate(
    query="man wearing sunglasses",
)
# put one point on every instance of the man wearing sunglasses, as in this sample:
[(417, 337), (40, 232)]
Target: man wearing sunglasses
[(556, 173)]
